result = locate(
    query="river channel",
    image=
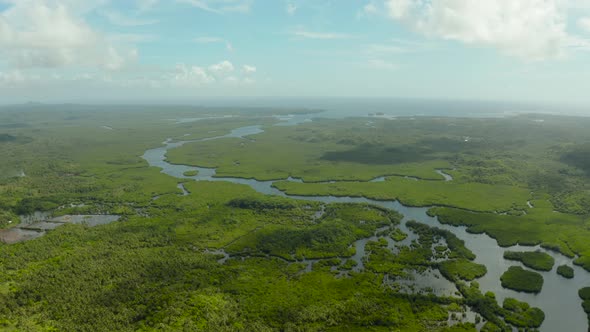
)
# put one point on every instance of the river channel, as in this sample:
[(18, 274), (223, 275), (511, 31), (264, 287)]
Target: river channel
[(558, 298)]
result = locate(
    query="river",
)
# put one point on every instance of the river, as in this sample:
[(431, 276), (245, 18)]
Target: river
[(558, 298)]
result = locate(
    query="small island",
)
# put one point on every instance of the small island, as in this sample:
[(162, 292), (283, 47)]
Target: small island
[(535, 260), (522, 315), (519, 279), (565, 271), (584, 294), (462, 269), (191, 173)]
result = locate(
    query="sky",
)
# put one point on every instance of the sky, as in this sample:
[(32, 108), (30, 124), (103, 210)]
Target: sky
[(150, 50)]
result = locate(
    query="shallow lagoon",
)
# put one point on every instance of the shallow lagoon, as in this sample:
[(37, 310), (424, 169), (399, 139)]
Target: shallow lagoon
[(37, 224)]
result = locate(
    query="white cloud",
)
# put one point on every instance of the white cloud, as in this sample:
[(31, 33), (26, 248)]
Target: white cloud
[(530, 29), (237, 7), (191, 75), (319, 35), (41, 33), (213, 40), (11, 78), (381, 64), (222, 68), (370, 9), (146, 5), (584, 24), (220, 6), (248, 69), (200, 4), (291, 8), (117, 18)]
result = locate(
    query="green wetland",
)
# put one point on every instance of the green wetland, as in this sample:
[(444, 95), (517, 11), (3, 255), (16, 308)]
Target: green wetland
[(214, 236)]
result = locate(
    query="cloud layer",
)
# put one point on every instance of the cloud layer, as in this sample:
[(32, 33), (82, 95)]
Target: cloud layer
[(47, 34), (530, 29)]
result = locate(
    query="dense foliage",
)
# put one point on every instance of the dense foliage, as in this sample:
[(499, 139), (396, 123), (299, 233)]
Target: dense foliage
[(536, 260), (462, 269), (584, 294), (522, 280), (225, 258), (565, 271)]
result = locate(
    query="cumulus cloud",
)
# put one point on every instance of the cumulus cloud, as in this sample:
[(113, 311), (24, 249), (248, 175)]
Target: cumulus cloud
[(41, 33), (530, 29), (217, 74), (370, 9), (12, 78), (220, 6), (190, 75), (222, 68), (248, 69)]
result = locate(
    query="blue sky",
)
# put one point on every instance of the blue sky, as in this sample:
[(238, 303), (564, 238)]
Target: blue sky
[(126, 50)]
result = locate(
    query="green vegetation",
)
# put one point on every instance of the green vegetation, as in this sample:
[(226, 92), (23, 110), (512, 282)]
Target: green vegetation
[(519, 279), (474, 196), (150, 271), (565, 271), (330, 236), (153, 270), (521, 314), (430, 235), (560, 232), (494, 170), (462, 269), (191, 173), (513, 312), (584, 294), (397, 235), (536, 260), (309, 151)]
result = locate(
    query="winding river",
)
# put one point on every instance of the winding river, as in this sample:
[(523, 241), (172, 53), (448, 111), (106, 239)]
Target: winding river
[(558, 299)]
